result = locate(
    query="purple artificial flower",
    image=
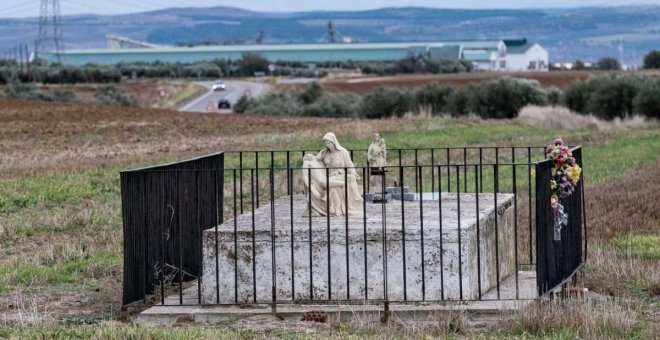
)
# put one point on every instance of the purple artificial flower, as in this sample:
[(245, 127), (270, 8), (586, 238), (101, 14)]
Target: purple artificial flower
[(571, 161), (558, 141)]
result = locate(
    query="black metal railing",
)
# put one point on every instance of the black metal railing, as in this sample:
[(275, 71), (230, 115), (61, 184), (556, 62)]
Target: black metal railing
[(165, 209), (560, 257), (249, 241)]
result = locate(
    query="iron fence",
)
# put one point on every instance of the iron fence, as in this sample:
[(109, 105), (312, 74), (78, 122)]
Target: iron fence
[(232, 229)]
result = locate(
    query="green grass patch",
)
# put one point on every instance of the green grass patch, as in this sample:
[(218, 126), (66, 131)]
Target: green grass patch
[(615, 158), (637, 245), (73, 270), (24, 192)]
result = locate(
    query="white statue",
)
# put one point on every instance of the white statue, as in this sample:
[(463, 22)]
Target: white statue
[(376, 155), (334, 160)]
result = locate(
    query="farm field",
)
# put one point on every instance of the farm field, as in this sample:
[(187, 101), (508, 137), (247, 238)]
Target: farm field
[(61, 226), (366, 84)]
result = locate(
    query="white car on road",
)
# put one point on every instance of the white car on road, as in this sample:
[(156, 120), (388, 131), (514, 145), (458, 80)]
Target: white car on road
[(219, 86)]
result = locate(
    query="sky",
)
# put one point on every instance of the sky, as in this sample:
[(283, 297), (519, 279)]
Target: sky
[(30, 8)]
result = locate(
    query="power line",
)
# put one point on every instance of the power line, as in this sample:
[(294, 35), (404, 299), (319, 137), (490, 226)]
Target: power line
[(49, 28), (28, 7)]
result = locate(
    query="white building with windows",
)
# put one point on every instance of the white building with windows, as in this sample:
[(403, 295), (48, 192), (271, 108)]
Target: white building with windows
[(523, 56)]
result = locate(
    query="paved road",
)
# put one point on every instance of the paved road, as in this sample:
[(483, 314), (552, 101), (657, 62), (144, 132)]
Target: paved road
[(208, 102)]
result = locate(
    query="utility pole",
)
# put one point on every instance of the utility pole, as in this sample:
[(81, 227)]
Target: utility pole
[(50, 33), (331, 32)]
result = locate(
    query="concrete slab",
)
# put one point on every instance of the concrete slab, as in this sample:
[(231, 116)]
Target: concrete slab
[(432, 252), (485, 310)]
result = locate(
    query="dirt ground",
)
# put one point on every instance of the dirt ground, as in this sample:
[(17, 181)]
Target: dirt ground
[(63, 136)]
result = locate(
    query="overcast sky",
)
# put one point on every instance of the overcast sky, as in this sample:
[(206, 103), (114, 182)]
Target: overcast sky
[(23, 8)]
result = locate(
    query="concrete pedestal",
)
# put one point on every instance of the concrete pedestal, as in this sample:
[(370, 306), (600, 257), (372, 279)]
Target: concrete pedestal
[(350, 263)]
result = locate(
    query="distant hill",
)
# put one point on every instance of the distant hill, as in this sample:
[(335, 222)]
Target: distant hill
[(568, 34)]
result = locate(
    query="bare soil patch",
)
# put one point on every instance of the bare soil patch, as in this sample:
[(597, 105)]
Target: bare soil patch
[(45, 137)]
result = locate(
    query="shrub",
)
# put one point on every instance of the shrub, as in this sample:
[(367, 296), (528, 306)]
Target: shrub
[(242, 104), (652, 59), (25, 91), (111, 95), (647, 101), (433, 96), (276, 103), (343, 105), (579, 65), (251, 63), (608, 63), (612, 96), (311, 93), (576, 95), (504, 97), (66, 96), (553, 96), (438, 66), (457, 102), (386, 102)]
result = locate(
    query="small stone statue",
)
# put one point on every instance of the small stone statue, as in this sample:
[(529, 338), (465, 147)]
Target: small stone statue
[(376, 155), (328, 197)]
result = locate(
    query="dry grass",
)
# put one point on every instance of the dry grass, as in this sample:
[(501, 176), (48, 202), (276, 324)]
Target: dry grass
[(626, 205), (562, 118), (591, 319)]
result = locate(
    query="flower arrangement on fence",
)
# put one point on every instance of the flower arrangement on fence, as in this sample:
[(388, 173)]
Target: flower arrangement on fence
[(565, 172), (565, 177)]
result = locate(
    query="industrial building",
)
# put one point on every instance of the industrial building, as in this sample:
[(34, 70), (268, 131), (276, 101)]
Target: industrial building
[(487, 55)]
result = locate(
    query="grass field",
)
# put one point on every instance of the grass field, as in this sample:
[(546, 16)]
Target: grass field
[(60, 218)]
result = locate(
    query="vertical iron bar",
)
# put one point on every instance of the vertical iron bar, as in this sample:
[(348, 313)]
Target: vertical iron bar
[(418, 190), (481, 170), (476, 195), (529, 201), (448, 170), (515, 218), (254, 241), (327, 209), (293, 276), (256, 162), (399, 157), (348, 269), (235, 242), (497, 232), (215, 236), (421, 226), (458, 208), (442, 266), (309, 206), (240, 167), (403, 234), (433, 172), (272, 234), (464, 169), (364, 220), (384, 230), (288, 178), (180, 246), (161, 276)]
